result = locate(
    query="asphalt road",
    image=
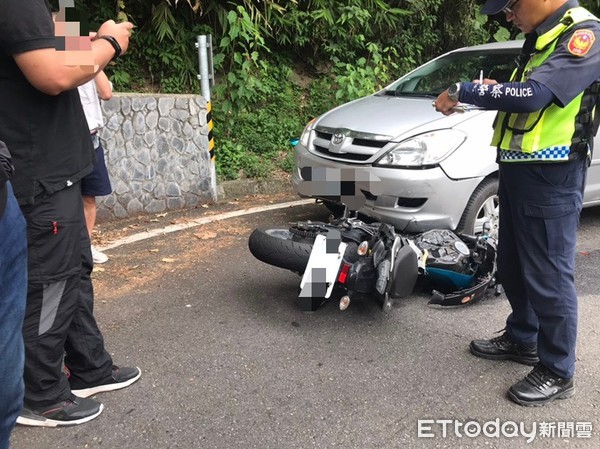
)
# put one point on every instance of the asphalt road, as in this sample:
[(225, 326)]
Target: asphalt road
[(230, 361)]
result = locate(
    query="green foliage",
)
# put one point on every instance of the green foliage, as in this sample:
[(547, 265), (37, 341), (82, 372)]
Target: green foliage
[(163, 21), (365, 76), (257, 110), (502, 35), (592, 5), (319, 97), (171, 67)]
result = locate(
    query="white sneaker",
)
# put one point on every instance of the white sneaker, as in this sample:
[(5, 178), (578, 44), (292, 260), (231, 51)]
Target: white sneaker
[(98, 256)]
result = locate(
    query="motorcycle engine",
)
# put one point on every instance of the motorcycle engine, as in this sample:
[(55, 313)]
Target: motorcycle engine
[(446, 251)]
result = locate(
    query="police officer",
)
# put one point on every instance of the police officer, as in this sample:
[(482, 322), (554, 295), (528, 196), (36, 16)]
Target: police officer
[(543, 131)]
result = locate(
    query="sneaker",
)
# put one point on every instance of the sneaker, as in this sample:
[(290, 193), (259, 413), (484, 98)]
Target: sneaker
[(98, 256), (540, 387), (73, 411), (120, 378), (503, 348)]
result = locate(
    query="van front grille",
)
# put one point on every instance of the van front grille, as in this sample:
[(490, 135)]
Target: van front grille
[(353, 146), (347, 156)]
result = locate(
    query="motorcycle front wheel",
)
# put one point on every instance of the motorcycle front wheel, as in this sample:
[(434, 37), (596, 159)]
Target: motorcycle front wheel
[(280, 248)]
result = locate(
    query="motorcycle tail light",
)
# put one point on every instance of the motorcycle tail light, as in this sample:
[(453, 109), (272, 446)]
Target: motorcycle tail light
[(343, 273), (363, 248)]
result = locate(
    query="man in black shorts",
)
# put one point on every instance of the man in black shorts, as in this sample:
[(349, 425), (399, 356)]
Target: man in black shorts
[(97, 183)]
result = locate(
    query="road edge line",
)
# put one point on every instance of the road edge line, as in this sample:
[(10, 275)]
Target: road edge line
[(140, 236)]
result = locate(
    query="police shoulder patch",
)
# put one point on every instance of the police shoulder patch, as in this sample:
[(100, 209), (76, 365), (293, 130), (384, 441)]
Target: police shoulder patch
[(581, 42)]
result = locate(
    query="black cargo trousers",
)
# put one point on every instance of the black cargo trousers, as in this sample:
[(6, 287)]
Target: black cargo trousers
[(59, 321)]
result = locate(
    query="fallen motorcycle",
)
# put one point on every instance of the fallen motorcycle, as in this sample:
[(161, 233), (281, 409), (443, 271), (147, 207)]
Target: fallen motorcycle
[(354, 258)]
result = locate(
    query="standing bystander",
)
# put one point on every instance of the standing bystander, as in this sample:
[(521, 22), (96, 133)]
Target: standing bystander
[(43, 124), (97, 183), (13, 293)]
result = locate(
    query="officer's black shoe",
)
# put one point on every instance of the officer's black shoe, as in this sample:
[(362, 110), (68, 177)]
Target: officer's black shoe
[(503, 348), (540, 387)]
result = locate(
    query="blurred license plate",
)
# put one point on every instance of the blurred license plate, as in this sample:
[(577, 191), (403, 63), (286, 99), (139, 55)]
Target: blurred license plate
[(322, 269)]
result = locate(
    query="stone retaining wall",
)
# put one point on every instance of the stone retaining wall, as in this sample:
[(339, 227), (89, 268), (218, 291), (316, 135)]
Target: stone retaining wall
[(157, 154)]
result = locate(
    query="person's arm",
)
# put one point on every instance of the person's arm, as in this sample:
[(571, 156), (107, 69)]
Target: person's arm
[(103, 86), (47, 71), (528, 96)]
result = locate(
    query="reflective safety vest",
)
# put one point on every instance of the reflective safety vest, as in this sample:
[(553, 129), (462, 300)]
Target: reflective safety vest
[(552, 128)]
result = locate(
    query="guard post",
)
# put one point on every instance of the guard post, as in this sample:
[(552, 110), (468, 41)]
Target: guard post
[(207, 80)]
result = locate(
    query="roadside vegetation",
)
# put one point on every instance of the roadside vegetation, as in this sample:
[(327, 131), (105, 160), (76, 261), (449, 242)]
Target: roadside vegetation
[(280, 63)]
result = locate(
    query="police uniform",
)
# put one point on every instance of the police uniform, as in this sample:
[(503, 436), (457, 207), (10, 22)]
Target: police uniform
[(543, 161), (544, 138)]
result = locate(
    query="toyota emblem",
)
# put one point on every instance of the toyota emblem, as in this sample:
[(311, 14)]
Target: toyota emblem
[(338, 138)]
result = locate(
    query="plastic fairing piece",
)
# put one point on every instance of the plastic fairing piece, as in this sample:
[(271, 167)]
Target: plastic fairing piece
[(465, 296), (405, 273)]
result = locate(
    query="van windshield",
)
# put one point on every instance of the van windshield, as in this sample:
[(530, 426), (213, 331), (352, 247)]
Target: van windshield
[(433, 78)]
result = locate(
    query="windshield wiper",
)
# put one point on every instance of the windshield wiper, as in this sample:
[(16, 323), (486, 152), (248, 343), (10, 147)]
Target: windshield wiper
[(395, 93)]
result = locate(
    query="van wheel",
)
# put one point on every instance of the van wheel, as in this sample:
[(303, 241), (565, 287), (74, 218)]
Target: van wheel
[(482, 206)]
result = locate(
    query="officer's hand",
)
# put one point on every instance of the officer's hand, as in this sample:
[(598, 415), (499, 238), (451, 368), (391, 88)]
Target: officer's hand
[(120, 31), (444, 104), (485, 81)]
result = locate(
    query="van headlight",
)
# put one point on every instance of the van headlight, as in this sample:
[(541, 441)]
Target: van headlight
[(306, 133), (425, 149)]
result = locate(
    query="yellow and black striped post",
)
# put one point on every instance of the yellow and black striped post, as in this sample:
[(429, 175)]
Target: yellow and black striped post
[(211, 138), (207, 77)]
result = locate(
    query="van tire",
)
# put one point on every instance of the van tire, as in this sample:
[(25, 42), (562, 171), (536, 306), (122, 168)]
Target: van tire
[(482, 204)]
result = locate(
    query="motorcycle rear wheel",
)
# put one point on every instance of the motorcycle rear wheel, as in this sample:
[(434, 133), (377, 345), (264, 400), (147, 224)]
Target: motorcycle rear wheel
[(280, 248)]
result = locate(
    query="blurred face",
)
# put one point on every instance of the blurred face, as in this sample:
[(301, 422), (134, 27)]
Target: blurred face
[(71, 40)]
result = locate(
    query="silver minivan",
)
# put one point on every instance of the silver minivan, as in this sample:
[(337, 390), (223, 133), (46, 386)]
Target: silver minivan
[(394, 158)]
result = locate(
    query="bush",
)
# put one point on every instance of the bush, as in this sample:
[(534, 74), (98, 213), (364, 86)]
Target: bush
[(253, 138)]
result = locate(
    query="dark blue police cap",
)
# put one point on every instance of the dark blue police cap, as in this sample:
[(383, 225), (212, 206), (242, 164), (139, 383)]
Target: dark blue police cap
[(492, 7)]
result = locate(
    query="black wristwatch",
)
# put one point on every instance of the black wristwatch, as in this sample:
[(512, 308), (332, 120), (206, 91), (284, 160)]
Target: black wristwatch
[(115, 45), (453, 92)]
